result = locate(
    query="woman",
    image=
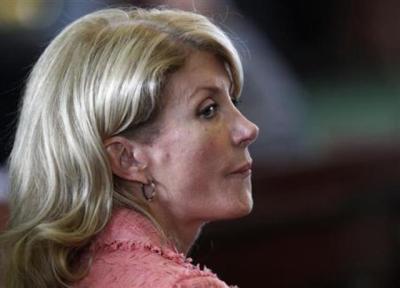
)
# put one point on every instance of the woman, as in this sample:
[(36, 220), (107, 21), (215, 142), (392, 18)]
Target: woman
[(128, 142)]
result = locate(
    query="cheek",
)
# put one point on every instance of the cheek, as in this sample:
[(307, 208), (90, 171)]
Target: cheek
[(207, 154), (203, 166), (200, 160), (184, 153), (191, 162), (191, 166), (196, 148)]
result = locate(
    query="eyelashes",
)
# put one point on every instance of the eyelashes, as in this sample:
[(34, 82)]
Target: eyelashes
[(211, 109), (236, 102)]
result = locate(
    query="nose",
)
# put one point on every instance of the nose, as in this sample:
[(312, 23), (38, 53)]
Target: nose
[(244, 131)]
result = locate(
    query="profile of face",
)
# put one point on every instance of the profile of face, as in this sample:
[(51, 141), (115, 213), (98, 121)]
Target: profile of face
[(200, 161)]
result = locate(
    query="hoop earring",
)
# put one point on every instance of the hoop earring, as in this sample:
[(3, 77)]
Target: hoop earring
[(149, 191)]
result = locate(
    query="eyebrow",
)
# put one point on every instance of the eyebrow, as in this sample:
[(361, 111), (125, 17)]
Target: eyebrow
[(212, 89)]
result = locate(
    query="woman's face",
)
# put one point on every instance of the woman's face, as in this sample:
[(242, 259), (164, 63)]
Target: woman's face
[(200, 161)]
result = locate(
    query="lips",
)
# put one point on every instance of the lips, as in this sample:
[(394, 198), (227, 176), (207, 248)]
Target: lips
[(242, 170)]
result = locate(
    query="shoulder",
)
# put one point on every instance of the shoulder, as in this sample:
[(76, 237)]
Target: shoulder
[(130, 265)]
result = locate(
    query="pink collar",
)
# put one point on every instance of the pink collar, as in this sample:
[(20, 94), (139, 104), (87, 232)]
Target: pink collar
[(129, 226)]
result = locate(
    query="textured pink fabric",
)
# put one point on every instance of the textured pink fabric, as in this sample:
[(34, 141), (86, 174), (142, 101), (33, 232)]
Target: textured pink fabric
[(130, 253)]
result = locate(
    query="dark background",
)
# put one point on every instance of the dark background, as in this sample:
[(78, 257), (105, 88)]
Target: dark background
[(326, 209)]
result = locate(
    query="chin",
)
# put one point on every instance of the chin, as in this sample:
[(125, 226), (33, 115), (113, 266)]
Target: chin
[(244, 201), (245, 205), (237, 205), (241, 209), (245, 209)]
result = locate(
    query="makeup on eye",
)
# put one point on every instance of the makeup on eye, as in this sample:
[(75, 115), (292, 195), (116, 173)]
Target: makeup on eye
[(208, 109)]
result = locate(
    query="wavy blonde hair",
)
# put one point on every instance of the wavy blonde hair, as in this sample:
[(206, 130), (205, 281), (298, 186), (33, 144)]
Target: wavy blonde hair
[(103, 75)]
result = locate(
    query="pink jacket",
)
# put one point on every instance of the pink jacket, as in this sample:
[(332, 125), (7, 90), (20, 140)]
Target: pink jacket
[(129, 253)]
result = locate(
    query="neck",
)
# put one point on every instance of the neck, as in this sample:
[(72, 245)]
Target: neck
[(182, 234), (185, 237)]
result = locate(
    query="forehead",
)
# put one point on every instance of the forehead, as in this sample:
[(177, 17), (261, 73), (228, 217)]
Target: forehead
[(202, 69)]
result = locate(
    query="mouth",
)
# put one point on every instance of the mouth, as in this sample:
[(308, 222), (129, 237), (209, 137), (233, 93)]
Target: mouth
[(243, 170)]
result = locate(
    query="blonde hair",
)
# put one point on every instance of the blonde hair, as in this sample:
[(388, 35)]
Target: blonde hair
[(101, 76)]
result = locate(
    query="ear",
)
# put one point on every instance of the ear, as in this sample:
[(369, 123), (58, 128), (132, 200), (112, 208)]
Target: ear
[(127, 159)]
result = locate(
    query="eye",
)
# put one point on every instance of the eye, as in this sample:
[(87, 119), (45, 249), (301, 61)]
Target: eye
[(209, 111), (236, 102)]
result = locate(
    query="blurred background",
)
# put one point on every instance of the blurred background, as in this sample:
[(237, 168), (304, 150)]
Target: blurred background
[(322, 80)]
